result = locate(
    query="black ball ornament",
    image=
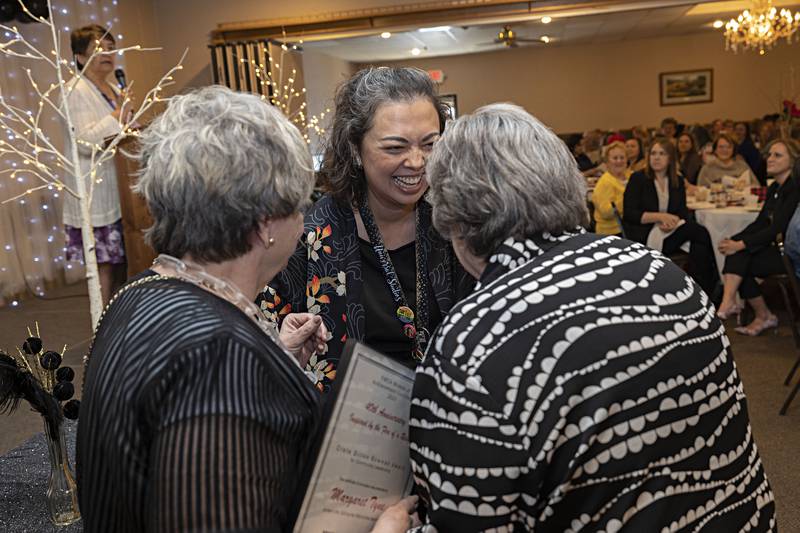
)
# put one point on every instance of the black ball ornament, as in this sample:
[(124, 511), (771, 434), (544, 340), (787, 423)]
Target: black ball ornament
[(50, 360), (63, 391), (71, 409), (37, 8), (65, 373), (32, 345), (8, 10)]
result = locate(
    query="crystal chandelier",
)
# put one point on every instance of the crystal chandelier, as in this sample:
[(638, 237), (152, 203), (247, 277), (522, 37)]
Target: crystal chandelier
[(761, 27)]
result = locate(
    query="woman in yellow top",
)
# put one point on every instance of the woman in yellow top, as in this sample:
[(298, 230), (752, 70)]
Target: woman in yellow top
[(610, 189)]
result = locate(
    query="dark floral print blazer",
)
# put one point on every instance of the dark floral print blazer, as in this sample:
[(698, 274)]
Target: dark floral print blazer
[(324, 277)]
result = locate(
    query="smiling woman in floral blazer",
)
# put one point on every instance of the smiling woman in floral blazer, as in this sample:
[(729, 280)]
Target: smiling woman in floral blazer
[(370, 262)]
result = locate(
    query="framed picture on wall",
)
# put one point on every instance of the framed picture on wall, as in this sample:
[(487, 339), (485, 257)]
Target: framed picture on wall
[(451, 102), (687, 87)]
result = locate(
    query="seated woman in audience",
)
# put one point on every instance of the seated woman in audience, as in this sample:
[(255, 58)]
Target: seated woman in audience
[(669, 128), (634, 153), (196, 414), (727, 125), (609, 190), (701, 136), (590, 161), (581, 159), (746, 147), (586, 383), (656, 214), (725, 163), (704, 144), (767, 131), (372, 231), (752, 253), (690, 161), (717, 127)]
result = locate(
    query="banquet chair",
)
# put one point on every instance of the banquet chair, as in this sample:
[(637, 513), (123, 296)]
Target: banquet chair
[(680, 258), (790, 286)]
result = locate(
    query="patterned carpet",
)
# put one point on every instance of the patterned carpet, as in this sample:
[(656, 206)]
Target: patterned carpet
[(763, 363)]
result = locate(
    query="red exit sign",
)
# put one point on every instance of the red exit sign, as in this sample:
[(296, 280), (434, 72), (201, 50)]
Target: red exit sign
[(436, 75)]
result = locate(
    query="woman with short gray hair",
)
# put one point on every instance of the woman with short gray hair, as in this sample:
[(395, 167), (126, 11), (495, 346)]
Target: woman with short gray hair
[(586, 383), (532, 192), (208, 186), (196, 414)]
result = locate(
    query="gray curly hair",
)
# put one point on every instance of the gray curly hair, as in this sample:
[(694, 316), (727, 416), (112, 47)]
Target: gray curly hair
[(356, 102), (215, 165), (500, 173)]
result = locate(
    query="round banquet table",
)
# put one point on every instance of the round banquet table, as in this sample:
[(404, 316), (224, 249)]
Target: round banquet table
[(723, 223)]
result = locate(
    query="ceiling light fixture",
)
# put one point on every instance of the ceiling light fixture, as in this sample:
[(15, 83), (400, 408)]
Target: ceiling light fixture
[(546, 20), (545, 39), (415, 51), (761, 27), (436, 28), (386, 34), (718, 24)]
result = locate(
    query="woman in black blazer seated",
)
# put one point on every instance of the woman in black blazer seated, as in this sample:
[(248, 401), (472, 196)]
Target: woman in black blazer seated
[(656, 215), (752, 253)]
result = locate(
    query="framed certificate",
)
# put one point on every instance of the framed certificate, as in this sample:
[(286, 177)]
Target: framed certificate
[(362, 466)]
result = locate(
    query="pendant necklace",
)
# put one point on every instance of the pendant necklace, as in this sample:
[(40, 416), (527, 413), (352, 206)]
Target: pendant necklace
[(413, 325)]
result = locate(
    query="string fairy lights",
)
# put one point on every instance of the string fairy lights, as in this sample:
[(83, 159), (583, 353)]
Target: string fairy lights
[(283, 93)]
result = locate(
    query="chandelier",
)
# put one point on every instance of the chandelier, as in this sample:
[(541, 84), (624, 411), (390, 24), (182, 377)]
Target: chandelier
[(761, 27)]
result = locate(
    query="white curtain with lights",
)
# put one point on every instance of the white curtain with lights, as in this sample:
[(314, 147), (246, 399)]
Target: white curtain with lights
[(32, 256)]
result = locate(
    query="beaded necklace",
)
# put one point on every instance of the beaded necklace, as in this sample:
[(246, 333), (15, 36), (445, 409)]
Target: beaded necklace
[(414, 325)]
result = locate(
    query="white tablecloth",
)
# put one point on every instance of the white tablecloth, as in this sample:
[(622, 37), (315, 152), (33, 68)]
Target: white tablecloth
[(723, 223)]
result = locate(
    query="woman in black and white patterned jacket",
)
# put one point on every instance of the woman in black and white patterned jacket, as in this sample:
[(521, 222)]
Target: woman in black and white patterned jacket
[(586, 384)]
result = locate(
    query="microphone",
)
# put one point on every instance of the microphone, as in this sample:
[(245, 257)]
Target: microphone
[(120, 75)]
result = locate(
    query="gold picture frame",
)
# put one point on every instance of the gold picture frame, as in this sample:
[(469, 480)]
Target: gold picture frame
[(686, 87)]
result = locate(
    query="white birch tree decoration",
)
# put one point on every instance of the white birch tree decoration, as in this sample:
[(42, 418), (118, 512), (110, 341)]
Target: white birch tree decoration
[(39, 156)]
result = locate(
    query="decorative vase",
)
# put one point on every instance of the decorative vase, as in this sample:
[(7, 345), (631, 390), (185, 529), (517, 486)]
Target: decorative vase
[(62, 492)]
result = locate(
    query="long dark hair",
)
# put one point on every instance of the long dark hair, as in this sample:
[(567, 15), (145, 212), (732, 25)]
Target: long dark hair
[(641, 149), (694, 144), (747, 131), (356, 101), (672, 166)]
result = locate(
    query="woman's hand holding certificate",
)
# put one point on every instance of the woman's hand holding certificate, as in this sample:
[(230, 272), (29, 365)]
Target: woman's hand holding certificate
[(362, 469)]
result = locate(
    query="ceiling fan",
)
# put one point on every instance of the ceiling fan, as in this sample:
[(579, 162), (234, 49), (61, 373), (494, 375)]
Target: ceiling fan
[(509, 39)]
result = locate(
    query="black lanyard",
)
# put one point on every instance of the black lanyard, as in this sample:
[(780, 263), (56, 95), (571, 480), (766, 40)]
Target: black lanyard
[(414, 326), (110, 102)]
